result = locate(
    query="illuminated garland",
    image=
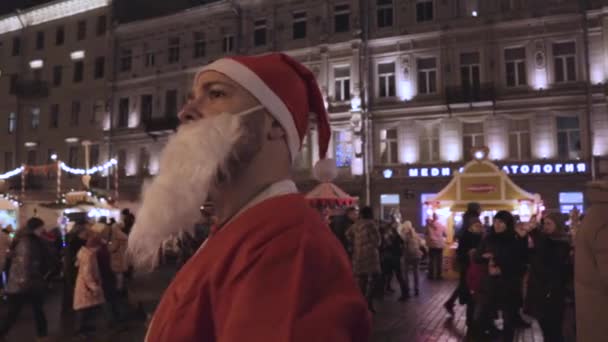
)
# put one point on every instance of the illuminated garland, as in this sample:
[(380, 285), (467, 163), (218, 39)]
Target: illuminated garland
[(12, 173), (14, 200), (110, 163)]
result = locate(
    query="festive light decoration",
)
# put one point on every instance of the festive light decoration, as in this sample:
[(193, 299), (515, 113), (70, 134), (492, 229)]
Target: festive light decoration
[(14, 200), (12, 173), (75, 171)]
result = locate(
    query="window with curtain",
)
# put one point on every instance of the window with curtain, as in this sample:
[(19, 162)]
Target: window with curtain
[(568, 138), (519, 139), (472, 136), (429, 144), (388, 144)]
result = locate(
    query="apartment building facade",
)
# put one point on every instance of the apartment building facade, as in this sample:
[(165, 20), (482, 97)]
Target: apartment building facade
[(411, 86), (55, 62)]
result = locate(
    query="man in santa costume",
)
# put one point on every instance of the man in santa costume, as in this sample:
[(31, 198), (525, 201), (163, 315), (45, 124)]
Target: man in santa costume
[(271, 270)]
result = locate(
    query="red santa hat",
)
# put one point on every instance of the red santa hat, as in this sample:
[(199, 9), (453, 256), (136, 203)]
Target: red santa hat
[(288, 91)]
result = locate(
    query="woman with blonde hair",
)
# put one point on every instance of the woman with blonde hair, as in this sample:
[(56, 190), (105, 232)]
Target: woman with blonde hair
[(88, 294), (412, 254)]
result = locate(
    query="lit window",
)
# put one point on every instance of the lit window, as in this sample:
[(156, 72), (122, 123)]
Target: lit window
[(386, 80), (389, 205), (35, 118), (12, 122), (388, 145), (342, 83), (519, 139), (429, 144), (568, 138), (343, 148), (570, 200), (472, 136)]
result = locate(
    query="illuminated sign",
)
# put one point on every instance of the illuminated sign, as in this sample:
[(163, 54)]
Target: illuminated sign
[(510, 169)]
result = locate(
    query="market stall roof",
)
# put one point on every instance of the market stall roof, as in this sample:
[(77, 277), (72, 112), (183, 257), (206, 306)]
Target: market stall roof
[(483, 182), (328, 194)]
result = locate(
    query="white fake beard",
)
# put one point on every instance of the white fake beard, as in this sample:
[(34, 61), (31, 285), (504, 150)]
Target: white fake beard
[(189, 166)]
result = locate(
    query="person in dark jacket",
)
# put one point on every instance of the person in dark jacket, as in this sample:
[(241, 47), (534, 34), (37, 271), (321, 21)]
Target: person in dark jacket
[(26, 281), (550, 273), (128, 220), (462, 255), (469, 241), (392, 252), (502, 255), (341, 224)]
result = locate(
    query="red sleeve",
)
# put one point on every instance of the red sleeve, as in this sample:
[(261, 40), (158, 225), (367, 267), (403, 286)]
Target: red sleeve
[(297, 287)]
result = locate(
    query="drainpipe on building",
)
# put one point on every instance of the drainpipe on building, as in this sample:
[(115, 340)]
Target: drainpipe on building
[(584, 5), (22, 71), (364, 91)]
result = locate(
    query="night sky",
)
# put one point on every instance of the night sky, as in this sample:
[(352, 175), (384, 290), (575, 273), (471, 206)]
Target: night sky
[(124, 10)]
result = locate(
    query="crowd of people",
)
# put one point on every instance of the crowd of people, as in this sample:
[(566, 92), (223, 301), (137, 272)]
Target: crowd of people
[(508, 268), (90, 261)]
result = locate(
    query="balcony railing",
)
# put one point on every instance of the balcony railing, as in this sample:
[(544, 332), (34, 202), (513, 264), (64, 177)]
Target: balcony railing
[(32, 89), (159, 125), (468, 94)]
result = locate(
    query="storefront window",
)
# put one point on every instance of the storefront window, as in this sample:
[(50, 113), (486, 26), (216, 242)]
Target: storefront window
[(570, 200), (389, 204)]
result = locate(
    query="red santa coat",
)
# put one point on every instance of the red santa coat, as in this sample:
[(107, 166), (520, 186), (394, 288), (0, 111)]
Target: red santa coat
[(274, 274)]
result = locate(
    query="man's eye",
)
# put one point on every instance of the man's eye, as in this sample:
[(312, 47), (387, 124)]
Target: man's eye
[(214, 94)]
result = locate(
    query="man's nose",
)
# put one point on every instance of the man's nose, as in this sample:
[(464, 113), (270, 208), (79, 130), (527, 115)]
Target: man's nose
[(189, 113)]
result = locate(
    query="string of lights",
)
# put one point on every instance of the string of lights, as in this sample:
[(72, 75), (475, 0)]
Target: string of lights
[(76, 171), (12, 173)]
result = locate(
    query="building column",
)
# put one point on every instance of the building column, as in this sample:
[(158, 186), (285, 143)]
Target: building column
[(497, 137), (408, 142)]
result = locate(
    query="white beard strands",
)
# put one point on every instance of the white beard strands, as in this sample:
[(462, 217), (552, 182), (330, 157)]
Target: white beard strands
[(188, 168)]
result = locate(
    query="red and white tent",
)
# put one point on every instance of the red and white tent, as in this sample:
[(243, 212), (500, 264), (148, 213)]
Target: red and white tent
[(329, 195)]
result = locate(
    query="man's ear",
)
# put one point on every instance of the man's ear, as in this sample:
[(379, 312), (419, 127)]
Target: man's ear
[(276, 131)]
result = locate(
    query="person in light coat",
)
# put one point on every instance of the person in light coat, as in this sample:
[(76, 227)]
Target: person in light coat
[(591, 267), (88, 293), (412, 254), (117, 246)]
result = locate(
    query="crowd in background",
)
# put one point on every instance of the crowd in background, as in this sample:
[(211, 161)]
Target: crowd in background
[(90, 260), (508, 269)]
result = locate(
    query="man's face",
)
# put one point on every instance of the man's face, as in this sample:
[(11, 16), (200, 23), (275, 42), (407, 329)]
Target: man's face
[(213, 94), (353, 215), (499, 226), (212, 147)]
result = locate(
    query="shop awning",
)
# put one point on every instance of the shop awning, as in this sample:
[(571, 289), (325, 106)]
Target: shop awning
[(328, 194)]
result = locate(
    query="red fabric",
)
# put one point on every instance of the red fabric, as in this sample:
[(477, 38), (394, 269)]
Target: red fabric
[(302, 95), (474, 275), (275, 274)]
